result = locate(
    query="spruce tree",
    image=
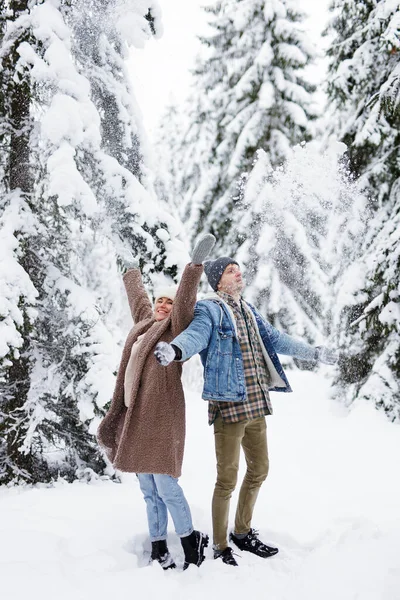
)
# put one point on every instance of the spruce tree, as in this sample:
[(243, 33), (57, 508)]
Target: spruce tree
[(168, 149), (293, 223), (91, 204), (17, 256), (249, 93), (363, 90), (102, 32)]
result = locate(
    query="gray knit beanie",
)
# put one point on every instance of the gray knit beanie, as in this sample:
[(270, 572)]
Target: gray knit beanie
[(214, 269)]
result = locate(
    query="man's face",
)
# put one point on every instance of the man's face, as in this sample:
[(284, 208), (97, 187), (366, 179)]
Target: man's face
[(162, 308), (231, 281)]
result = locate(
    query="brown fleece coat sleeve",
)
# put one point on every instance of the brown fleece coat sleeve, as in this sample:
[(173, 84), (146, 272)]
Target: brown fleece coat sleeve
[(185, 300), (142, 314), (139, 302)]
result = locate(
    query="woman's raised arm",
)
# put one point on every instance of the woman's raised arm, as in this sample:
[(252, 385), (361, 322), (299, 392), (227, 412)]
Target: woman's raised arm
[(139, 302), (185, 300)]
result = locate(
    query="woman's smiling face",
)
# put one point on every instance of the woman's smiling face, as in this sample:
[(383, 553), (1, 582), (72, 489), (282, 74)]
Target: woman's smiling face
[(162, 308)]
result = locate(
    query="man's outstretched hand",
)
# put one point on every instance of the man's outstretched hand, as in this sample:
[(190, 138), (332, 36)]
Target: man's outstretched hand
[(326, 356), (164, 353)]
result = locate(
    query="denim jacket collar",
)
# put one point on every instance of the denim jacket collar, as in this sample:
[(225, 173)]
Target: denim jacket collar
[(216, 298)]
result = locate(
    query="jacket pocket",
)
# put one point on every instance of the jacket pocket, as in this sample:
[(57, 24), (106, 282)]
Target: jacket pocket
[(218, 374), (225, 341)]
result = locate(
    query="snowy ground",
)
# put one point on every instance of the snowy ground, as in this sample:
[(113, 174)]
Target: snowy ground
[(331, 504)]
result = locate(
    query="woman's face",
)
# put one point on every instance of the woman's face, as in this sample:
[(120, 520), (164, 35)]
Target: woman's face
[(162, 308)]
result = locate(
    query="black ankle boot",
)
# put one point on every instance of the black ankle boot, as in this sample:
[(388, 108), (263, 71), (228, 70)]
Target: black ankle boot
[(160, 553), (252, 544), (226, 556), (193, 546)]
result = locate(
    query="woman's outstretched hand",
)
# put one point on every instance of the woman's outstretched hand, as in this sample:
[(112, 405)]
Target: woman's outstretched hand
[(203, 248), (164, 353)]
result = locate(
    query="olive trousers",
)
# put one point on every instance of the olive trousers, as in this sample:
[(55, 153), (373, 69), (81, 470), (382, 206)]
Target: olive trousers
[(251, 435)]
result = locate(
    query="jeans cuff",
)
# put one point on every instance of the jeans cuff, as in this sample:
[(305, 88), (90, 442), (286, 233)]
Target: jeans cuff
[(182, 535), (158, 539)]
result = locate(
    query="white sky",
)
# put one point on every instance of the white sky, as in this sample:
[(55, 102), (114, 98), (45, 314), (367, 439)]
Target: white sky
[(160, 71)]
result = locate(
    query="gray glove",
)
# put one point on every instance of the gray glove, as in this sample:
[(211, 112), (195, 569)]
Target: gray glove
[(125, 255), (326, 356), (132, 263), (164, 353), (203, 248)]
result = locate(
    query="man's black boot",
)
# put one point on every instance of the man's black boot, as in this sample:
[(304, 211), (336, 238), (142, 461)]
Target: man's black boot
[(193, 547), (252, 544), (226, 556), (160, 553)]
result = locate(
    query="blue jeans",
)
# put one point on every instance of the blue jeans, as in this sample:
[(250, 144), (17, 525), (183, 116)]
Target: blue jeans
[(162, 493)]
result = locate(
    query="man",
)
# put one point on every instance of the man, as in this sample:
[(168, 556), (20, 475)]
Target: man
[(238, 349)]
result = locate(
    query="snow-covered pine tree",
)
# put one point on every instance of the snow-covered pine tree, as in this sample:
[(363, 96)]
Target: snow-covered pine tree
[(17, 222), (48, 423), (249, 93), (102, 33), (168, 149), (363, 88), (293, 222)]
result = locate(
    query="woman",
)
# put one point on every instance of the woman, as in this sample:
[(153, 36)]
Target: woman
[(144, 429)]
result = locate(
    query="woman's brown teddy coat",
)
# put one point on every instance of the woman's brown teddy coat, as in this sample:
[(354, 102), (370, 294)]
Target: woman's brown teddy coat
[(149, 436)]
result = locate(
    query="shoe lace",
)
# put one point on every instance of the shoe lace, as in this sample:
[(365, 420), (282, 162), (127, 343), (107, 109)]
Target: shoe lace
[(253, 533), (229, 553), (254, 539)]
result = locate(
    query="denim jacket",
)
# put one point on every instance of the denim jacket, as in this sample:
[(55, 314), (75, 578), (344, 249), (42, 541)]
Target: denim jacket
[(212, 333)]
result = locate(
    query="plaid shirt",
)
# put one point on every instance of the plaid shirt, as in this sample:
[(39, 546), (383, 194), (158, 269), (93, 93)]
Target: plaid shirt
[(257, 377)]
